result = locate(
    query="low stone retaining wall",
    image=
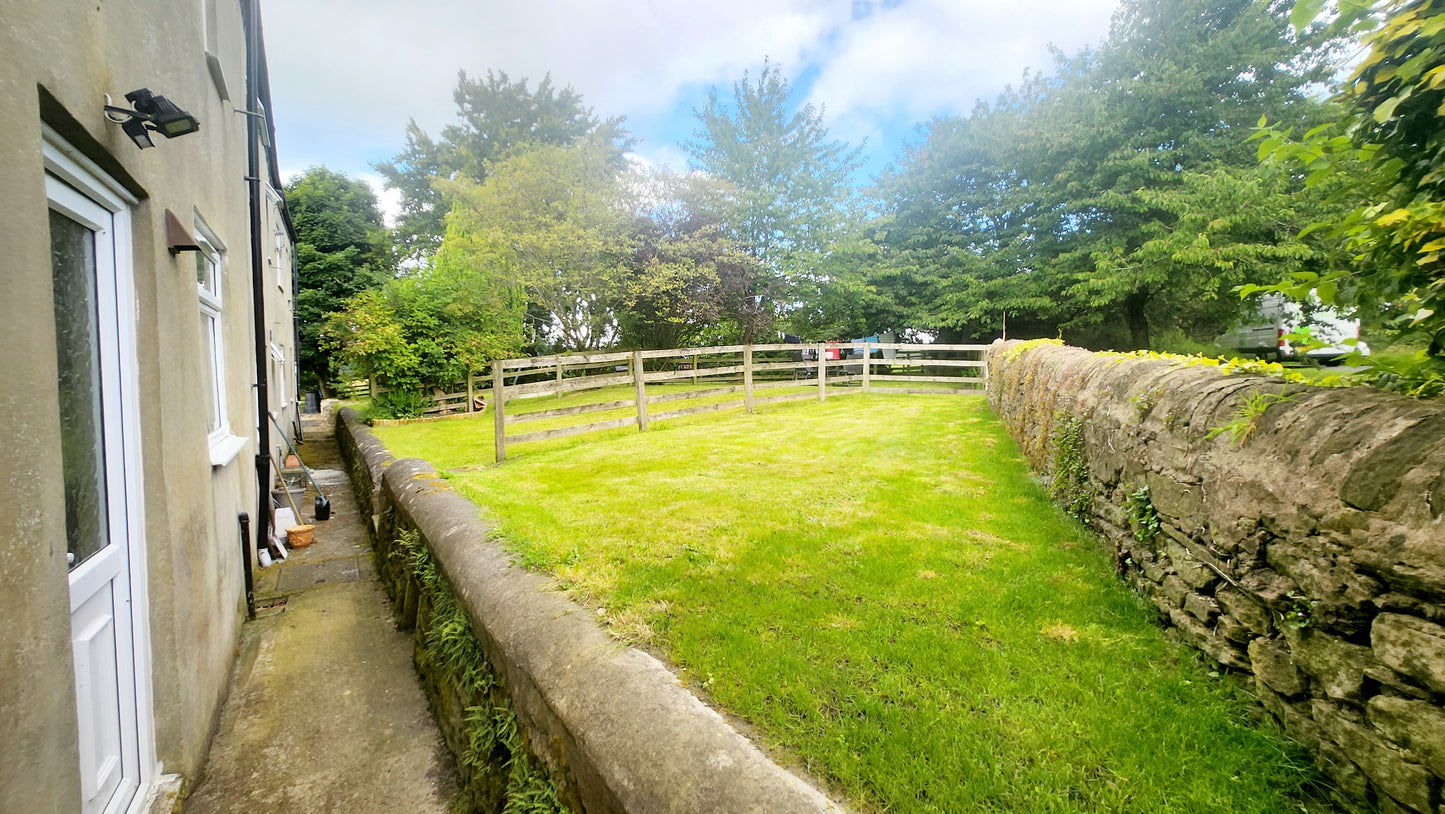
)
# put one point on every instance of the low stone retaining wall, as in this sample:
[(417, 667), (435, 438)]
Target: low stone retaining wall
[(1306, 548), (614, 728)]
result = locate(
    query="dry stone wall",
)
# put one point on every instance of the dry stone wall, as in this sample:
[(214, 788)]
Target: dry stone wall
[(1308, 553)]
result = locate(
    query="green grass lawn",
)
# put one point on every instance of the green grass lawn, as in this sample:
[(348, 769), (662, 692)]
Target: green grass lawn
[(877, 586)]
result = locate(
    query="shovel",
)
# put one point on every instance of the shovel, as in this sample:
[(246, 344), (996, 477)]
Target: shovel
[(323, 506)]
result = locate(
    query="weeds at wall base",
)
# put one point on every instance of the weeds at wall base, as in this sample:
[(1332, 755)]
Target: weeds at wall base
[(1143, 519), (499, 773)]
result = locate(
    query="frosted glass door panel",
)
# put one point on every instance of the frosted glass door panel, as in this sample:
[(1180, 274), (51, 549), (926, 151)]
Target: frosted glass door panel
[(77, 348)]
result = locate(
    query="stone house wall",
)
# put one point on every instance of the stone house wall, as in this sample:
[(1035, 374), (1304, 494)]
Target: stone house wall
[(1308, 553)]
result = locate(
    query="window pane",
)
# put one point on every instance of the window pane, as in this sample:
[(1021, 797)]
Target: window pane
[(77, 350), (206, 272), (208, 368)]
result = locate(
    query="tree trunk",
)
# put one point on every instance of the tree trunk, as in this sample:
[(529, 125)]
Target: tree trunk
[(1135, 319)]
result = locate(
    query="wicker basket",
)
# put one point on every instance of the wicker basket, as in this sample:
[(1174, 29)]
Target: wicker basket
[(299, 536)]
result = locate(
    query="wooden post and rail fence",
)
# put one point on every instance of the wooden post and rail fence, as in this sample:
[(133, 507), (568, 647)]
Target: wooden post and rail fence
[(811, 371)]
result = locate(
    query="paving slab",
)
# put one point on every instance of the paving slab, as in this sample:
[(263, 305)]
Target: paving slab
[(325, 712), (302, 575)]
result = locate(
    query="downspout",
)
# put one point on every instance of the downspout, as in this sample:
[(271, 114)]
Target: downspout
[(245, 521), (296, 342), (258, 284)]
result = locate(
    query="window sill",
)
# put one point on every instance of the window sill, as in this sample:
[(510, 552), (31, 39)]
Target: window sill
[(218, 76), (225, 449)]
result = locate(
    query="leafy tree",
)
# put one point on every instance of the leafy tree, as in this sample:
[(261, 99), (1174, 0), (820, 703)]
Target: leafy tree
[(962, 206), (548, 221), (368, 336), (839, 298), (1073, 198), (1398, 93), (1221, 229), (342, 249), (495, 117), (1387, 151), (1175, 90), (790, 184), (688, 283), (426, 330)]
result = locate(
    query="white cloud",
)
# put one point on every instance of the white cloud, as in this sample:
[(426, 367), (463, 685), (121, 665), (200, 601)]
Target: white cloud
[(937, 56), (381, 61), (659, 155), (387, 200), (346, 74)]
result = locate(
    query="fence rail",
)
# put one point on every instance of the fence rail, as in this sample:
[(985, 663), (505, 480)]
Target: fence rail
[(724, 370), (832, 368), (742, 371)]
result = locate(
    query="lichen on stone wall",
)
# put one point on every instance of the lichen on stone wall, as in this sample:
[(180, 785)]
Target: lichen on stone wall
[(1293, 533)]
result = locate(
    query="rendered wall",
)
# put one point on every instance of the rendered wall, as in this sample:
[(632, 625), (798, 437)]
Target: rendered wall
[(57, 60), (37, 678), (1311, 554)]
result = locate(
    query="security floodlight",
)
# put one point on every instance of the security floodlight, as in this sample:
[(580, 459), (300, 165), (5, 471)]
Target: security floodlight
[(136, 129), (152, 112)]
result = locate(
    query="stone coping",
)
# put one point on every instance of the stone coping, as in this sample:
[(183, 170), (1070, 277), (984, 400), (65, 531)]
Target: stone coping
[(614, 719)]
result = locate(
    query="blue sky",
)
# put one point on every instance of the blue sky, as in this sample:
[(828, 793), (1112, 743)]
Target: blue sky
[(347, 74)]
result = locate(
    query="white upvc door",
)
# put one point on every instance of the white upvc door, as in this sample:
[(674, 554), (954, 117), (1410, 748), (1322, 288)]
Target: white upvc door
[(94, 323)]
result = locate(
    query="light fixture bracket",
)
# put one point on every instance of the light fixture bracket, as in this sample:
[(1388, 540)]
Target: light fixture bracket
[(150, 112)]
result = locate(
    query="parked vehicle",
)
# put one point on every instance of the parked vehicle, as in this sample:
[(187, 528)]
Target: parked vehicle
[(1276, 325), (833, 352)]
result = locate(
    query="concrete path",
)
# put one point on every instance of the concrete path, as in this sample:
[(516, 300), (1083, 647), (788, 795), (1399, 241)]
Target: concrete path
[(325, 713)]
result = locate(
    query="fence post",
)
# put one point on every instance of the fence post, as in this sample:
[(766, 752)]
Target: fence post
[(694, 369), (371, 388), (867, 364), (748, 378), (499, 402), (559, 380), (471, 392), (641, 385), (822, 372)]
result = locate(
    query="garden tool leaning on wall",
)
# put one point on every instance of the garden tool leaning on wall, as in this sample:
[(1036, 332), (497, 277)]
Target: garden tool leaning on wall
[(323, 506)]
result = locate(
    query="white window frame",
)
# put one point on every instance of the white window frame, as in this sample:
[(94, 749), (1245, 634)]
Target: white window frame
[(224, 446), (278, 368), (278, 257), (211, 39)]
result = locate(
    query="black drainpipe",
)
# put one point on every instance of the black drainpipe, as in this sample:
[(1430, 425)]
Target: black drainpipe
[(296, 341), (245, 521), (258, 284)]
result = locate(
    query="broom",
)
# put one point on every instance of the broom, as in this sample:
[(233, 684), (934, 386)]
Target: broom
[(323, 506), (294, 509)]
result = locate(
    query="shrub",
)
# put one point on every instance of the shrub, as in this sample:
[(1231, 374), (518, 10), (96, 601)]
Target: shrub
[(400, 404)]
